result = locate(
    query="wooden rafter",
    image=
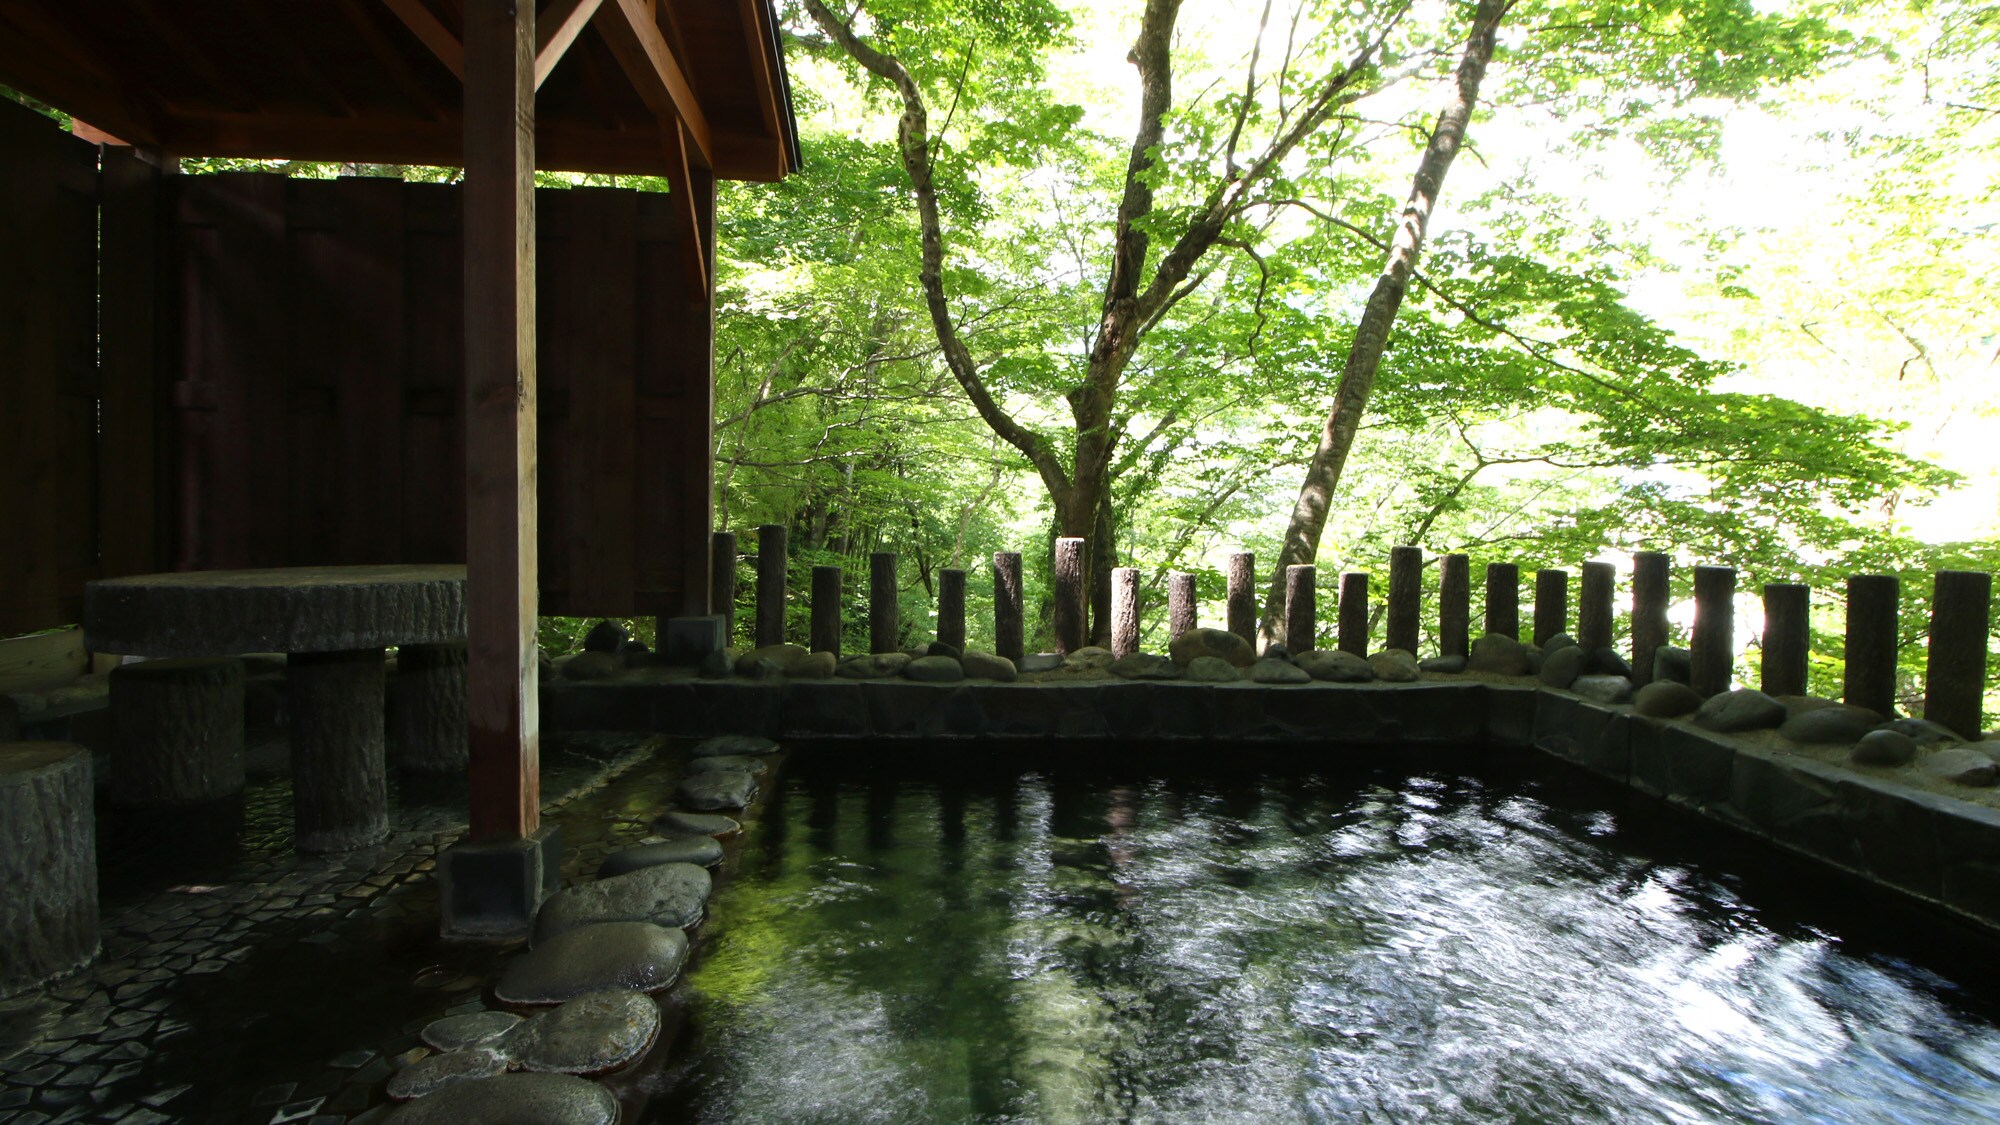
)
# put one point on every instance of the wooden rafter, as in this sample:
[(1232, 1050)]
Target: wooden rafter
[(425, 26), (555, 29), (687, 214), (755, 39), (630, 27)]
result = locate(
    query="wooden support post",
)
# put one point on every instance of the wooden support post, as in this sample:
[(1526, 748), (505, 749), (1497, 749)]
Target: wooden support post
[(1301, 610), (1872, 639), (1242, 604), (1406, 596), (1503, 599), (1071, 587), (1354, 613), (1007, 631), (500, 512), (722, 582), (1124, 611), (1714, 629), (1955, 675), (1180, 604), (825, 610), (1593, 606), (885, 625), (1551, 603), (771, 563), (1650, 571), (951, 608), (1454, 605), (1787, 633)]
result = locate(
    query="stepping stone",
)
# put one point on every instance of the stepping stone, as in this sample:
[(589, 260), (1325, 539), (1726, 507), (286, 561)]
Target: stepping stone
[(704, 851), (593, 1034), (1394, 665), (986, 666), (725, 789), (515, 1099), (473, 1029), (634, 955), (429, 1075), (1335, 666), (670, 894), (1270, 671), (730, 745), (1211, 670), (1883, 748), (1666, 699), (1741, 710), (677, 822), (739, 762)]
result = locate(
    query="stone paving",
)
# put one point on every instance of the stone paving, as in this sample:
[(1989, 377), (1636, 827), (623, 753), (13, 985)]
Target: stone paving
[(242, 982)]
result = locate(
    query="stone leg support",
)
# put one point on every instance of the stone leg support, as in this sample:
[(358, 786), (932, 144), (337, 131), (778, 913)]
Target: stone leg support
[(339, 780), (180, 731), (490, 890), (48, 913), (429, 726)]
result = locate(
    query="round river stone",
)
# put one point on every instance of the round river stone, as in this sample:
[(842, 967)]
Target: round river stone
[(473, 1029), (1218, 643), (1561, 666), (677, 822), (429, 1075), (595, 1033), (1498, 654), (934, 670), (986, 666), (1145, 666), (670, 894), (1666, 699), (1273, 671), (635, 955), (1740, 710), (1335, 666), (1883, 748), (1603, 689), (738, 762), (1394, 666), (724, 789), (1211, 670), (515, 1099), (705, 851), (1835, 723), (1960, 764), (732, 745)]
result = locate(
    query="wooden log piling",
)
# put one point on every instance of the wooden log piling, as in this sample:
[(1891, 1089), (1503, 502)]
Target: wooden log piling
[(1454, 605), (885, 626), (1180, 604), (1650, 572), (951, 608), (1354, 613), (826, 581), (1955, 675), (1301, 609), (771, 553), (1124, 611), (1714, 649), (1551, 603), (722, 582), (1593, 605), (1406, 596), (1242, 604), (1787, 638), (1072, 587), (1503, 599), (1007, 629)]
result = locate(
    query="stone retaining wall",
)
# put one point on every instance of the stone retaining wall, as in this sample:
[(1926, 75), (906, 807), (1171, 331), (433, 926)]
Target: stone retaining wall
[(1941, 850)]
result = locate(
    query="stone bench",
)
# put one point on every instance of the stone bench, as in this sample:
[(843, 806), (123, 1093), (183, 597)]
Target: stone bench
[(48, 864)]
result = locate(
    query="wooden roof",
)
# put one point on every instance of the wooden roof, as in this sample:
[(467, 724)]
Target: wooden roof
[(376, 81)]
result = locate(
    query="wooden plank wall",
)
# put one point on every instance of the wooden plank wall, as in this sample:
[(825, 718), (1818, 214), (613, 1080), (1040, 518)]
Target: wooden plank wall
[(322, 367)]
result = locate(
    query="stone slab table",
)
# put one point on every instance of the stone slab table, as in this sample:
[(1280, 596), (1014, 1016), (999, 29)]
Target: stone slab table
[(333, 622)]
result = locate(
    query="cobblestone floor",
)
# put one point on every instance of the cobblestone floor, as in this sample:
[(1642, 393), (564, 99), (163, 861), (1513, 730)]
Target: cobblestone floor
[(243, 982)]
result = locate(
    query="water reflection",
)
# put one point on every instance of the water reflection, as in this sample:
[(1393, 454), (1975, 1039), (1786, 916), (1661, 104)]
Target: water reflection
[(1057, 947)]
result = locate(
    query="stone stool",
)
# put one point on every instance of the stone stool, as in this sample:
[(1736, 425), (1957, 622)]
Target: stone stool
[(180, 731), (48, 864), (429, 725)]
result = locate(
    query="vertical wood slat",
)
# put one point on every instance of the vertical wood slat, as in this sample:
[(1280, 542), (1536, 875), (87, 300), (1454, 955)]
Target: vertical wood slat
[(1071, 587), (1872, 640), (1181, 614), (1354, 613), (825, 635), (1007, 605), (1551, 603), (1124, 611), (1714, 654), (131, 366), (1242, 595), (1301, 609), (1454, 605), (722, 582), (885, 626), (429, 496), (1406, 596), (1503, 599), (1650, 572), (501, 497), (1787, 638), (1593, 605), (951, 608), (771, 562), (1955, 672)]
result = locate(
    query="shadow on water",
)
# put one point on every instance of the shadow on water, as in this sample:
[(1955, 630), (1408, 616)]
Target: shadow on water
[(941, 935)]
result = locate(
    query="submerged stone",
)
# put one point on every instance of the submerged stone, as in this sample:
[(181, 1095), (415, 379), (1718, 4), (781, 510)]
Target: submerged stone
[(1211, 670), (595, 1033), (1735, 711), (1666, 699), (1393, 665), (514, 1099), (473, 1029), (636, 955), (669, 894), (679, 822), (1219, 643), (732, 745), (703, 851), (726, 789), (986, 666), (740, 763), (1883, 748), (428, 1075), (1335, 666)]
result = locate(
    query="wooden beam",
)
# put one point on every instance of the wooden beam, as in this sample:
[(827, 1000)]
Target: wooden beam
[(633, 32), (500, 470), (756, 40), (687, 211), (557, 28), (432, 33)]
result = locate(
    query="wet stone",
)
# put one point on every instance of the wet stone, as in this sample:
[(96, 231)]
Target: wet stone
[(635, 955), (1394, 665), (704, 851), (593, 1034), (738, 762), (515, 1099), (1740, 710), (722, 790), (670, 894), (1211, 670), (1883, 748), (678, 822), (1335, 666), (732, 745), (1960, 764), (1666, 699), (1273, 671), (429, 1075), (475, 1029)]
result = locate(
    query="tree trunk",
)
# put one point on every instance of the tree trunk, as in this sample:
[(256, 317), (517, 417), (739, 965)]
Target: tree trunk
[(1371, 334)]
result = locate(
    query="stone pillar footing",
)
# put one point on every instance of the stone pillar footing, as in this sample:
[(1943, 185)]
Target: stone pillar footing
[(490, 890)]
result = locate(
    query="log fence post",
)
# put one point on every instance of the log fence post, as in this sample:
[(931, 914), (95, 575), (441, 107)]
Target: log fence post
[(1593, 606), (1787, 638), (1454, 605), (1503, 600), (1955, 671), (885, 626), (1072, 587), (770, 585), (1551, 603), (1406, 596), (1649, 611), (1301, 609), (1714, 655), (1007, 631), (1354, 613), (1242, 603), (951, 608), (1872, 639), (826, 609), (1124, 611), (722, 582), (1180, 604)]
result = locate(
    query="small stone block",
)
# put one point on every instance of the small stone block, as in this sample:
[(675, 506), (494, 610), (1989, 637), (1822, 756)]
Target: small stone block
[(491, 890)]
